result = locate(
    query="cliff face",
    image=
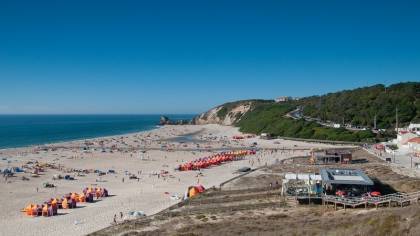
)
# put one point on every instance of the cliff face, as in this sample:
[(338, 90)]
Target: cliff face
[(226, 114)]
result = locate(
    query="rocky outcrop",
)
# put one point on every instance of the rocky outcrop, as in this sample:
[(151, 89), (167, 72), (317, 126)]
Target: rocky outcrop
[(164, 120)]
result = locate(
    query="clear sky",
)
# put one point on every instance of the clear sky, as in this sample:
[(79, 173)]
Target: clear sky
[(187, 56)]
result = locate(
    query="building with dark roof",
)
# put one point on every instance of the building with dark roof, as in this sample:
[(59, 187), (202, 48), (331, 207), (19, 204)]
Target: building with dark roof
[(331, 157), (353, 182)]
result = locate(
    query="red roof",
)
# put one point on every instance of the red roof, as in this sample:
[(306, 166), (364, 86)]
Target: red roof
[(414, 140)]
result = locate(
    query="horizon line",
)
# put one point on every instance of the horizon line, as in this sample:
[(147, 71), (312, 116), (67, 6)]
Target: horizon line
[(80, 114)]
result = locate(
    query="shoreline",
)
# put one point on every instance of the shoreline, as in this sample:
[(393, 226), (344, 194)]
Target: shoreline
[(149, 193)]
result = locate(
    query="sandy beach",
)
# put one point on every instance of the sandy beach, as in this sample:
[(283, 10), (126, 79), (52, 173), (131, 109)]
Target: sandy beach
[(144, 154)]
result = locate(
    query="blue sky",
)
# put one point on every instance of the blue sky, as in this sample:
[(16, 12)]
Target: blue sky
[(188, 56)]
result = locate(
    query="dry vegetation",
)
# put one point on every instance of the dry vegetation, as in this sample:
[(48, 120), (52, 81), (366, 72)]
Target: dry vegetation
[(247, 206)]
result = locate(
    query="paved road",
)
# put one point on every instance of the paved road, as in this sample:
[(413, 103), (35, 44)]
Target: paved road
[(297, 114), (404, 160)]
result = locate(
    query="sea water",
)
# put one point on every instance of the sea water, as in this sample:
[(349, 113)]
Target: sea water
[(27, 130)]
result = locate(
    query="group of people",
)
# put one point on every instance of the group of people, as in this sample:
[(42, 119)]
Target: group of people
[(68, 201), (215, 160)]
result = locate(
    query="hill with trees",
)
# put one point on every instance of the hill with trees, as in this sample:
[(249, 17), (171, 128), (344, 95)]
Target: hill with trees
[(270, 118), (357, 107)]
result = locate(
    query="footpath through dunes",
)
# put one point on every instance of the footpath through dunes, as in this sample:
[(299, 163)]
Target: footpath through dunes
[(253, 205), (210, 206)]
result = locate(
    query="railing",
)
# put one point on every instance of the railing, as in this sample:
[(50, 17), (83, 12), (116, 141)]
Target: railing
[(399, 198), (352, 201)]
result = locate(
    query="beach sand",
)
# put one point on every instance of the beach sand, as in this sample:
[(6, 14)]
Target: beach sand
[(144, 154)]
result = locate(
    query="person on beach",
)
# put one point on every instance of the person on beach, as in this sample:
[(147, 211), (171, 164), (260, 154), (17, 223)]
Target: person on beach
[(115, 218)]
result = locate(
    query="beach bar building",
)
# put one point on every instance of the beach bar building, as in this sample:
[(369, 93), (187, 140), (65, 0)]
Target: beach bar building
[(330, 181), (345, 182)]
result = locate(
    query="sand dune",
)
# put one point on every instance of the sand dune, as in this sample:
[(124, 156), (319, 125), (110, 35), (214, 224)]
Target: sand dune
[(144, 154)]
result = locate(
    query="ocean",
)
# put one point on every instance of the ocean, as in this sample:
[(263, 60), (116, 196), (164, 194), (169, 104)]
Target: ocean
[(27, 130)]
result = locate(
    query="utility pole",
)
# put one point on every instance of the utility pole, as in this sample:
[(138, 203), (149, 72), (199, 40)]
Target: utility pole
[(374, 122), (396, 119), (411, 156), (393, 155)]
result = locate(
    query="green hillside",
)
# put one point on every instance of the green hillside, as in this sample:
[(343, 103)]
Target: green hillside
[(269, 118), (359, 107)]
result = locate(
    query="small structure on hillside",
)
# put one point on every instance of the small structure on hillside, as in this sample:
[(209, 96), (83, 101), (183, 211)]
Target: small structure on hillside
[(403, 137), (330, 181), (266, 136), (414, 128), (330, 157), (414, 145), (302, 185), (283, 99), (345, 182)]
